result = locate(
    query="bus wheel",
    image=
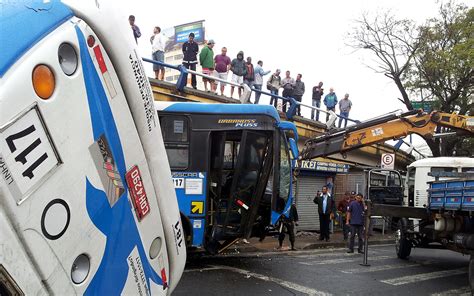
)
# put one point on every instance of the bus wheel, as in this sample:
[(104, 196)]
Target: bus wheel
[(402, 243), (471, 273)]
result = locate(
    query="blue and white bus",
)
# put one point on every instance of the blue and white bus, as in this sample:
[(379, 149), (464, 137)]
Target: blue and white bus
[(231, 169), (86, 202)]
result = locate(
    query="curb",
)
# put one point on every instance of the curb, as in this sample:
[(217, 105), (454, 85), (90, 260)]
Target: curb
[(344, 244)]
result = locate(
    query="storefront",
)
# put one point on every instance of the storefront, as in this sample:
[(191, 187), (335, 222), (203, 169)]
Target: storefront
[(313, 175)]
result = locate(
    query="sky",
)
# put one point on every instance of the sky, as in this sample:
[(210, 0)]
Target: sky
[(307, 37)]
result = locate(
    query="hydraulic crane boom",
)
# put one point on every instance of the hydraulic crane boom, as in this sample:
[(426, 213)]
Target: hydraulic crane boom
[(389, 127)]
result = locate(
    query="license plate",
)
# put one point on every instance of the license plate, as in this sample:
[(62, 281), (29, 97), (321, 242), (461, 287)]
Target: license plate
[(137, 191), (27, 154)]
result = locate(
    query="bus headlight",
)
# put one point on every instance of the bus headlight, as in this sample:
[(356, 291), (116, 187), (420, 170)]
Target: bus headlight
[(43, 81), (67, 57), (80, 269)]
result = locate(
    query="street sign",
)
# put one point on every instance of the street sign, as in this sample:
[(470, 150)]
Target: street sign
[(388, 161)]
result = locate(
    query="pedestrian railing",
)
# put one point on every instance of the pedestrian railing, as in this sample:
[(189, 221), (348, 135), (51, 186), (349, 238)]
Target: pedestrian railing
[(247, 92)]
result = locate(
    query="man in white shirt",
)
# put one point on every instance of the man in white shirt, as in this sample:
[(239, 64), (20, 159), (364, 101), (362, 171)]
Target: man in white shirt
[(158, 52)]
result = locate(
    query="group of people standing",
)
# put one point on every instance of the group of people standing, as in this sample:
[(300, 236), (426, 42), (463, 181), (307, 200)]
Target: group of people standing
[(243, 71), (352, 208)]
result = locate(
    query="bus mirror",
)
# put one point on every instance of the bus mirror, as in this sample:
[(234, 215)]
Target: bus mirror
[(245, 97), (294, 148)]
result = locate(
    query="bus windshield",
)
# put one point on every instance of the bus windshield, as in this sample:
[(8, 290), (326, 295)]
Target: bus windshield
[(285, 175)]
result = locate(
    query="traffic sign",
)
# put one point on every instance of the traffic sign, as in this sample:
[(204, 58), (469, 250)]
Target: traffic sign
[(388, 161)]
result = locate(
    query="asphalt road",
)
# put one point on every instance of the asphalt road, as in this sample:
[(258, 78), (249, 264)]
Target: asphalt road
[(328, 272)]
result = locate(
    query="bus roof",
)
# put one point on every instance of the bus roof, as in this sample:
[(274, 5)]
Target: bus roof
[(24, 23), (443, 162), (218, 108)]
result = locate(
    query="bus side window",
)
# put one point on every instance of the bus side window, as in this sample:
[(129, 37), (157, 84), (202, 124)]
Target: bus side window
[(175, 130)]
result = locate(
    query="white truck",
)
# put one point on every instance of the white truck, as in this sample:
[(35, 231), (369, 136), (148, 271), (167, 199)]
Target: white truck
[(87, 205)]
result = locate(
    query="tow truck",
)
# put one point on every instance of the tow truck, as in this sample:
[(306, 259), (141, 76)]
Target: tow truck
[(437, 204), (87, 205)]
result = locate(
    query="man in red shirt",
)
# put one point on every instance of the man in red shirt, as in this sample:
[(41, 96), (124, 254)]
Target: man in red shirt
[(222, 67)]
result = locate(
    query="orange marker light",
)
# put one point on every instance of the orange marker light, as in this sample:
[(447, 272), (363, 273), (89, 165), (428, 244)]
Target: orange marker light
[(43, 81)]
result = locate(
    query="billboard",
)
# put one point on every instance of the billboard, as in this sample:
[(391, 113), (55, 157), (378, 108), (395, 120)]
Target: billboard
[(177, 35), (182, 32)]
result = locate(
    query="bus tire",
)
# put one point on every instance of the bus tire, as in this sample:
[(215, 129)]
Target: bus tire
[(402, 243)]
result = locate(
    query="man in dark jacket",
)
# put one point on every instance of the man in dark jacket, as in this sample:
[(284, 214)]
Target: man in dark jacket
[(326, 210), (288, 225), (239, 70), (316, 100), (298, 92), (190, 51)]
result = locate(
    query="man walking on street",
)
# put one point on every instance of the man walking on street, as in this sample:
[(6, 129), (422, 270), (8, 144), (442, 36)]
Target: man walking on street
[(222, 67), (158, 52), (316, 100), (239, 70), (288, 225), (355, 218), (326, 209), (206, 59), (190, 51), (298, 92), (342, 208), (330, 100), (273, 85), (288, 85), (259, 73), (344, 108)]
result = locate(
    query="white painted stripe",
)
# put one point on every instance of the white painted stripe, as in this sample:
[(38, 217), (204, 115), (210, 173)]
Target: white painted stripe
[(414, 278), (379, 268), (464, 291), (201, 269), (346, 260), (286, 284)]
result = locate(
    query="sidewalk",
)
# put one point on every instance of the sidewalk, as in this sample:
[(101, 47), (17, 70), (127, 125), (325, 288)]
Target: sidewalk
[(304, 241)]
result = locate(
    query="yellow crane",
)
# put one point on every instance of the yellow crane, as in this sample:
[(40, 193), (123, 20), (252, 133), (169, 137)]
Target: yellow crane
[(384, 128)]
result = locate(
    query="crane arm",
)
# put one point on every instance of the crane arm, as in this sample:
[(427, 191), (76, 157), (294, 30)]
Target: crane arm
[(389, 127)]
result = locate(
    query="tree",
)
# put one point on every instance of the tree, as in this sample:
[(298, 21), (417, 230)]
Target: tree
[(444, 67), (393, 42), (435, 59)]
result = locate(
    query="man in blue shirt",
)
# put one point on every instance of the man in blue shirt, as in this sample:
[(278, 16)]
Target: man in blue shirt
[(355, 218)]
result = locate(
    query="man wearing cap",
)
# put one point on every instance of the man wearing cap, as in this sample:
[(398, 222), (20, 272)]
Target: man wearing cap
[(190, 51), (206, 58)]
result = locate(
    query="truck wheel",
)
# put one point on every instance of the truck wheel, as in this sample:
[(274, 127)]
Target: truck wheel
[(402, 243), (471, 273)]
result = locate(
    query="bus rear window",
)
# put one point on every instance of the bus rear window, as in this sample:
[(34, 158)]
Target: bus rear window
[(175, 130)]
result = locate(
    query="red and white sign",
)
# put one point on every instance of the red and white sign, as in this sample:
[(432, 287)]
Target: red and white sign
[(137, 191), (388, 161)]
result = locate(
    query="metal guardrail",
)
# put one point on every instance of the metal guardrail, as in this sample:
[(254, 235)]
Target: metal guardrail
[(247, 91)]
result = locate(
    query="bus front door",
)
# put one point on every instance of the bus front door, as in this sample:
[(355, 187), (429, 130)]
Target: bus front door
[(240, 166)]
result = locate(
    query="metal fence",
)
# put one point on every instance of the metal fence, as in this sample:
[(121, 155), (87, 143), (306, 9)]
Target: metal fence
[(247, 92)]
